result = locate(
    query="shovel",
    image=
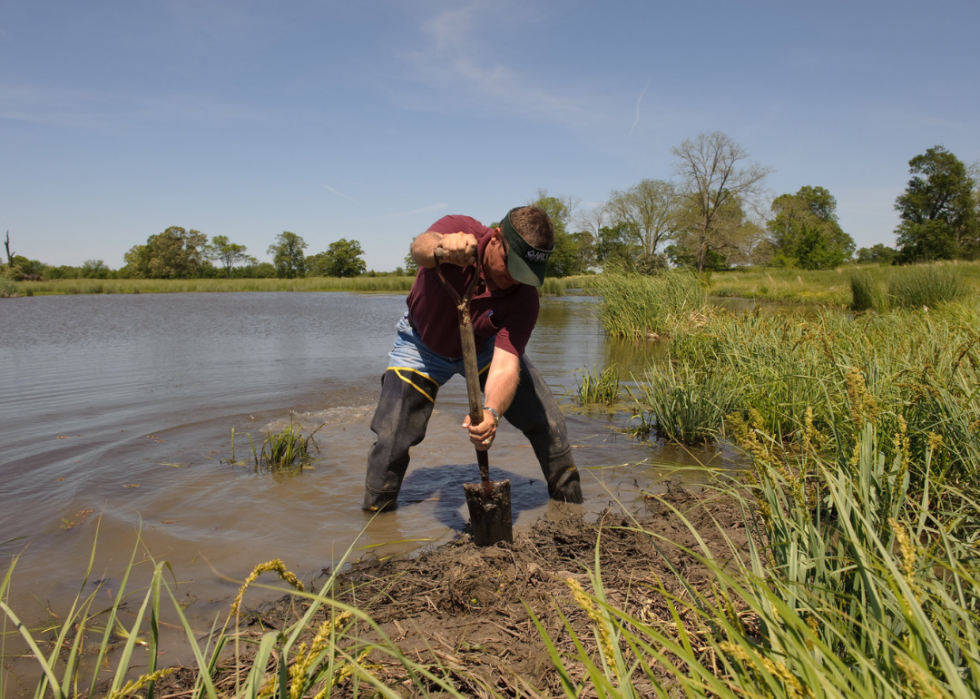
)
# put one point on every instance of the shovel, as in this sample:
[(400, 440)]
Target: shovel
[(488, 501)]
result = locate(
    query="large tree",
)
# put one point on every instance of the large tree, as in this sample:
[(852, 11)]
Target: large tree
[(227, 253), (287, 255), (806, 232), (732, 240), (938, 210), (649, 208), (714, 172), (341, 259), (877, 254), (174, 254)]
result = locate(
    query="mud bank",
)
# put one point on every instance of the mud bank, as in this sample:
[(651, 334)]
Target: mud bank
[(465, 610)]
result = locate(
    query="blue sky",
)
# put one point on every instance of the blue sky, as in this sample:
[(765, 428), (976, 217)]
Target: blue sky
[(370, 120)]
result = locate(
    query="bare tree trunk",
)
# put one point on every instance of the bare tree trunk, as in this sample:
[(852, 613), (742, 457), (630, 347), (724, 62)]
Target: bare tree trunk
[(10, 256)]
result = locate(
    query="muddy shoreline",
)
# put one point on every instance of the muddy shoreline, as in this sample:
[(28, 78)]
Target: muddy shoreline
[(464, 610)]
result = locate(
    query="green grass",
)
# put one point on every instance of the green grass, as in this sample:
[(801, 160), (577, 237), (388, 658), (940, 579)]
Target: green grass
[(643, 307), (8, 289), (287, 446), (926, 286), (170, 286), (822, 287), (867, 293), (598, 387)]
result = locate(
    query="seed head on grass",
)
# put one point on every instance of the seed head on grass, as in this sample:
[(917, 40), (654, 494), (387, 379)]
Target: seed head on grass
[(276, 565)]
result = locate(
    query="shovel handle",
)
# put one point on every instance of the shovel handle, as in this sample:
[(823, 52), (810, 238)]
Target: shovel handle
[(468, 342)]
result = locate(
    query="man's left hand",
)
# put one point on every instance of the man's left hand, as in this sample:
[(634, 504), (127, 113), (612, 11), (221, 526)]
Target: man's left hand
[(482, 435)]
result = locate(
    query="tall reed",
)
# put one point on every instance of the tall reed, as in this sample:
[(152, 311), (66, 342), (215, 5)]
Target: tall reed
[(927, 286), (645, 307)]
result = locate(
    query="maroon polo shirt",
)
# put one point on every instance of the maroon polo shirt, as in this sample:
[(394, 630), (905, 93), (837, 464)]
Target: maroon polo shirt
[(510, 314)]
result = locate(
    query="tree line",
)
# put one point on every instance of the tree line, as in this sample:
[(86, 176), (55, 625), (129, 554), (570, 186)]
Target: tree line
[(178, 253), (714, 214)]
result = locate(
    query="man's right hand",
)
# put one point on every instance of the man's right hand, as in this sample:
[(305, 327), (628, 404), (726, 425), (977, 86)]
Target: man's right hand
[(458, 249)]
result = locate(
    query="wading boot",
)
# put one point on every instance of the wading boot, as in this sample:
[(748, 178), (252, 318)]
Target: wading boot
[(535, 412), (407, 399)]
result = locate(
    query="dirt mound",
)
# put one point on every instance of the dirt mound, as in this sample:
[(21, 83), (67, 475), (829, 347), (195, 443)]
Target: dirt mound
[(463, 608)]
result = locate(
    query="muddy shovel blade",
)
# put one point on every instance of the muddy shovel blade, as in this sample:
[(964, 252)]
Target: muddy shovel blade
[(489, 505)]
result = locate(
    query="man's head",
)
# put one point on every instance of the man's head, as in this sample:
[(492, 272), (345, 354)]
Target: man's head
[(529, 239)]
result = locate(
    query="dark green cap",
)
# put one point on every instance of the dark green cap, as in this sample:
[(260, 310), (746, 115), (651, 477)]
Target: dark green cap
[(525, 263)]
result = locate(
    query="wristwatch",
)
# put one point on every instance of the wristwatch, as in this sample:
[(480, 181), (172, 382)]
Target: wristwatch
[(496, 415)]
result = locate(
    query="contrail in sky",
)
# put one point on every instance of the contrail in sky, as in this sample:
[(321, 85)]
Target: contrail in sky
[(341, 194), (640, 99)]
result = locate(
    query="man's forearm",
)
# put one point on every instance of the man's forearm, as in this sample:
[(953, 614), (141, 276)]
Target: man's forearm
[(423, 249), (502, 379)]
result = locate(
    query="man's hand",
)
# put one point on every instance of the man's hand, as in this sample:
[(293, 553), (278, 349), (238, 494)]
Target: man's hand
[(482, 435), (458, 249)]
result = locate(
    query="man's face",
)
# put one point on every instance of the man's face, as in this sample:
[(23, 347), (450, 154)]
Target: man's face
[(495, 262)]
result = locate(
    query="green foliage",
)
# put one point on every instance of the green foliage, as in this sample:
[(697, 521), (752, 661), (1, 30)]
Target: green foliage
[(342, 259), (648, 209), (617, 248), (877, 254), (236, 284), (287, 255), (598, 387), (174, 254), (227, 253), (806, 231), (7, 288), (939, 219), (925, 286)]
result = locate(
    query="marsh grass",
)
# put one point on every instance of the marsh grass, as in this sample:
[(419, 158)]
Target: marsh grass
[(168, 286), (926, 286), (645, 307), (598, 387), (868, 293), (684, 404), (859, 579)]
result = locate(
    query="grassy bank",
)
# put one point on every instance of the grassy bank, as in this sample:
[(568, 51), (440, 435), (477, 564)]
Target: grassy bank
[(822, 287), (173, 286)]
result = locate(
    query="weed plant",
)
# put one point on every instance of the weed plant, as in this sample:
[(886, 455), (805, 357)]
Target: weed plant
[(598, 388)]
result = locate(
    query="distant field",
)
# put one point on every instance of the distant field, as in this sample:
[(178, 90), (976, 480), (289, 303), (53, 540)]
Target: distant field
[(825, 287), (172, 286)]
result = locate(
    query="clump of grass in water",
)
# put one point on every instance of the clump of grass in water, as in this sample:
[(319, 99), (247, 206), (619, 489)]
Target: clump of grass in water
[(285, 447), (599, 387), (644, 307)]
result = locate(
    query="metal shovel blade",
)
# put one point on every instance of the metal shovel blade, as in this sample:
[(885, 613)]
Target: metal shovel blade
[(489, 505)]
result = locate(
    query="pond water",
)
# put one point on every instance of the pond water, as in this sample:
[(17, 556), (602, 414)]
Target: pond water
[(121, 407)]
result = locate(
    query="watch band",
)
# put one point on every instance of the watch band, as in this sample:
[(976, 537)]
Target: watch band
[(496, 415)]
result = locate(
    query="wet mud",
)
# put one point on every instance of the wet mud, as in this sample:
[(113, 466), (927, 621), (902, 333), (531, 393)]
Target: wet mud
[(464, 609)]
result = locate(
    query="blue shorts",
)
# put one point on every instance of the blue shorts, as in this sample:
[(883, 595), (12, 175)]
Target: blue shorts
[(410, 356)]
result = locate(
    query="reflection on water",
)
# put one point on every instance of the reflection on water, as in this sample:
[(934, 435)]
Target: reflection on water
[(124, 406)]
